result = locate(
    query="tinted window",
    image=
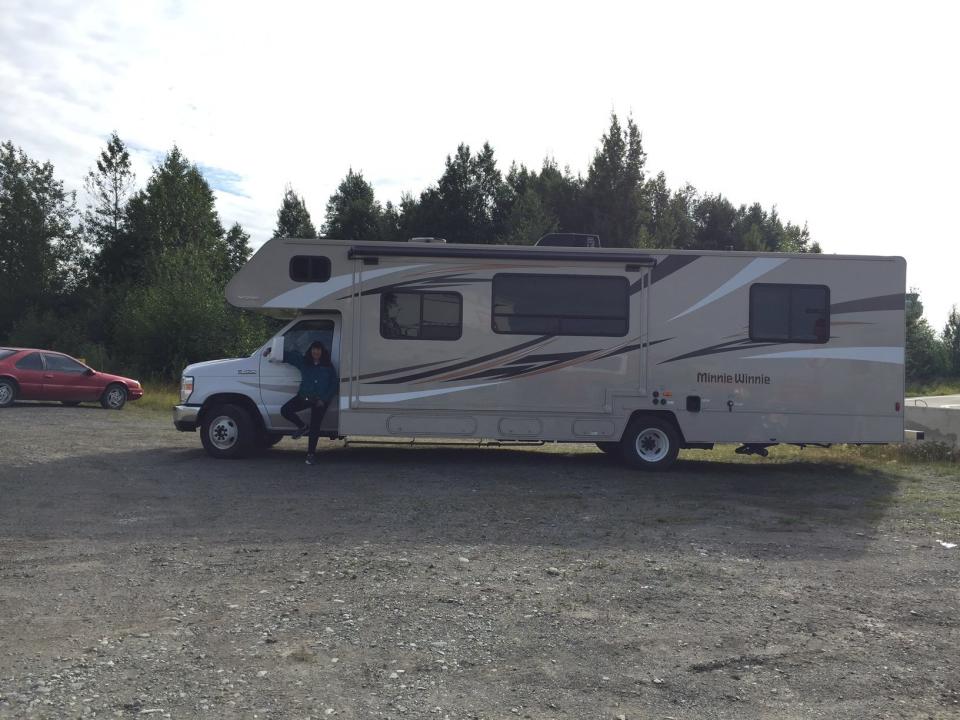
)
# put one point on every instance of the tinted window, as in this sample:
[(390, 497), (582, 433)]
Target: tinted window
[(32, 361), (790, 313), (301, 336), (421, 316), (61, 363), (561, 305), (6, 352), (309, 268)]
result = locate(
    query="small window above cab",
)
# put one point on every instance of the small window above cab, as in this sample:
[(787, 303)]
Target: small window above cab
[(309, 268)]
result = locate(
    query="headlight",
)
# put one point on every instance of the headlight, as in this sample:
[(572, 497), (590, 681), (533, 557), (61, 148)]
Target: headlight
[(186, 388)]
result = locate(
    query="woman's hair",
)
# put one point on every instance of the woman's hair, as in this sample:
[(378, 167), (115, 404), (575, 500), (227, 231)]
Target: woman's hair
[(324, 354)]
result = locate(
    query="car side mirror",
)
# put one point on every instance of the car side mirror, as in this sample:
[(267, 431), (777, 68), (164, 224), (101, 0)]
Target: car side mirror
[(276, 349), (89, 371)]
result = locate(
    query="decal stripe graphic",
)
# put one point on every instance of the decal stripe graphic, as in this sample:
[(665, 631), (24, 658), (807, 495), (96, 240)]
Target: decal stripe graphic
[(466, 363), (732, 346), (892, 355), (669, 265), (404, 396), (402, 369), (871, 304), (307, 294), (760, 266)]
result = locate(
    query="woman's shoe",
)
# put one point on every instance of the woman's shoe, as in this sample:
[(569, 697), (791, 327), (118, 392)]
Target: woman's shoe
[(311, 459), (300, 432)]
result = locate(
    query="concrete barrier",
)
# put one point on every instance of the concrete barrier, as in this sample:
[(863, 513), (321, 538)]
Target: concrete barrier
[(938, 424)]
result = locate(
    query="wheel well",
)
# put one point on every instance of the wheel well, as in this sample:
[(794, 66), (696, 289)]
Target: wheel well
[(662, 415), (11, 379), (234, 399)]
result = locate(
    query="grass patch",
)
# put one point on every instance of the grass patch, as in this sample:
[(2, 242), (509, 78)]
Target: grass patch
[(158, 397), (941, 386)]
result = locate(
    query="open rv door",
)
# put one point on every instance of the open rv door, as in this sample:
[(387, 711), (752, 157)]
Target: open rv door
[(279, 381)]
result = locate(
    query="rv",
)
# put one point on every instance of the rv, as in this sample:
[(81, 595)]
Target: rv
[(642, 352)]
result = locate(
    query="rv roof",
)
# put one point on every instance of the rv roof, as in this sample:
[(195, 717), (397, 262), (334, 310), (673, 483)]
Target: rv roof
[(510, 252), (648, 256)]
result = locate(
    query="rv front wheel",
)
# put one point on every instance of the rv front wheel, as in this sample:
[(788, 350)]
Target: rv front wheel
[(227, 431), (650, 443)]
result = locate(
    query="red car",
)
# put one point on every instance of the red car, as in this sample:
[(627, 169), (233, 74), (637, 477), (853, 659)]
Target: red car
[(27, 374)]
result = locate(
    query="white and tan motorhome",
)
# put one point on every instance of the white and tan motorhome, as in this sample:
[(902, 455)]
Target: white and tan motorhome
[(641, 352)]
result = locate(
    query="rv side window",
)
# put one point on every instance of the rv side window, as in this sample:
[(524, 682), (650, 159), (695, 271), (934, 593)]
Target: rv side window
[(561, 305), (421, 315), (309, 268), (790, 313)]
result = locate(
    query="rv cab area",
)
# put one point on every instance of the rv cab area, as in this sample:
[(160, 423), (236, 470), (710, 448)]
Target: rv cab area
[(641, 352)]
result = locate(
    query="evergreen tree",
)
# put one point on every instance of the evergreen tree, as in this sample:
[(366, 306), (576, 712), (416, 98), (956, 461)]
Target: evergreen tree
[(951, 342), (293, 218), (925, 357), (353, 212), (108, 188), (468, 204), (40, 252), (237, 241), (614, 187)]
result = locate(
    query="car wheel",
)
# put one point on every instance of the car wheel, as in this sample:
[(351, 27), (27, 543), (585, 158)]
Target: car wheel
[(114, 397), (8, 392), (227, 431), (610, 448), (70, 403), (650, 443)]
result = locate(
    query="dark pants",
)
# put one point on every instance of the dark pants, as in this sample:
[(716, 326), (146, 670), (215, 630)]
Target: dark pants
[(294, 405)]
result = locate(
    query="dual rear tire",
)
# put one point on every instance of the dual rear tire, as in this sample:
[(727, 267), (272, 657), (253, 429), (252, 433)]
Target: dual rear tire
[(649, 443)]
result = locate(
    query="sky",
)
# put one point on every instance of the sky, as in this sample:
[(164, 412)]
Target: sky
[(844, 115)]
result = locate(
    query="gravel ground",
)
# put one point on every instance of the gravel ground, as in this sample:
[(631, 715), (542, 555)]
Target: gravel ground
[(140, 578)]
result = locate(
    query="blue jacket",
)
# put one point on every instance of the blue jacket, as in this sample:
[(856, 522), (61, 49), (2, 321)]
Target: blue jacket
[(317, 382)]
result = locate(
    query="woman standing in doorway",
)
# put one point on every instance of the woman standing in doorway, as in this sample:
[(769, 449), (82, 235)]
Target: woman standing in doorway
[(318, 384)]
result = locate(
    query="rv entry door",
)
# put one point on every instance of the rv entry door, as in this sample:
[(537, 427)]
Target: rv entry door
[(279, 381)]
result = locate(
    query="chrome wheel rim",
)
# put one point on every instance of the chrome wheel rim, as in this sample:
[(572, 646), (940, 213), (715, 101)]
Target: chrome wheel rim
[(6, 394), (652, 445), (115, 398), (223, 432)]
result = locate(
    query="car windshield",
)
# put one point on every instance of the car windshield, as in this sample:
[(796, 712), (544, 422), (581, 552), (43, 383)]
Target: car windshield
[(6, 352)]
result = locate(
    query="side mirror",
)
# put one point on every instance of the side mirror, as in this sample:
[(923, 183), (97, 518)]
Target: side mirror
[(89, 371), (276, 349)]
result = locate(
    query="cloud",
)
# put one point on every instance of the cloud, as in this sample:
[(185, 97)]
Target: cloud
[(225, 181)]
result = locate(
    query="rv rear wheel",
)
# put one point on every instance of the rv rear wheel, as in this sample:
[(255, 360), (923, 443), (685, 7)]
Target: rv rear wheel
[(650, 443), (227, 431)]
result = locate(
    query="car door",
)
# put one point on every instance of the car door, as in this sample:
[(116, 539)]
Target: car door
[(279, 381), (29, 374), (66, 379)]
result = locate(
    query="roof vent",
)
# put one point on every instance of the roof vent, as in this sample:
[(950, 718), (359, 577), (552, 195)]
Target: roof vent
[(427, 240), (569, 240)]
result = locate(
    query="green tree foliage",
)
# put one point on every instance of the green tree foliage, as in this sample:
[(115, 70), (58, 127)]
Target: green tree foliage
[(352, 211), (108, 189), (293, 218), (181, 317), (41, 256), (238, 248), (951, 342), (925, 358), (174, 211), (614, 189), (468, 202)]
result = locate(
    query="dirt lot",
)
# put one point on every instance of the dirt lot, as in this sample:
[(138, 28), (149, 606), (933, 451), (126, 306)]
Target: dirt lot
[(140, 578)]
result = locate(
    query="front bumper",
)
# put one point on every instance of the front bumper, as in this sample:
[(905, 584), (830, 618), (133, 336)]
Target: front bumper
[(185, 417)]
